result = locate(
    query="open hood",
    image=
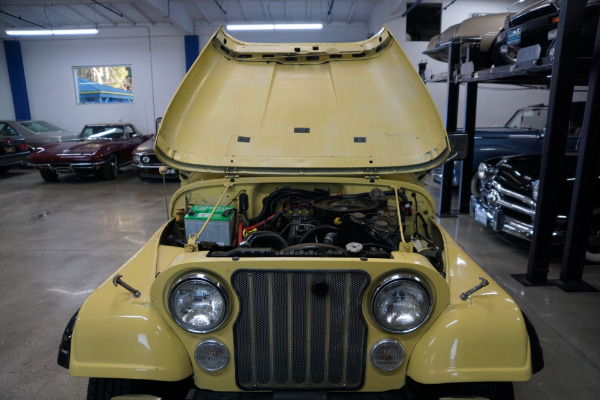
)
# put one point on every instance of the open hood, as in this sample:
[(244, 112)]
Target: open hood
[(327, 108)]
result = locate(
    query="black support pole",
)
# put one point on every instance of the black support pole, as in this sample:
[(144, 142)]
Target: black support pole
[(585, 193), (445, 203), (464, 194), (561, 95)]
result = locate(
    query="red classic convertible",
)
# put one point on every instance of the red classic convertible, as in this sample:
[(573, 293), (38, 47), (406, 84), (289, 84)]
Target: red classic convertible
[(99, 149)]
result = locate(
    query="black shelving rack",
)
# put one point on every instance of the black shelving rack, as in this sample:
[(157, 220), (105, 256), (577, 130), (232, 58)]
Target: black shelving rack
[(560, 73)]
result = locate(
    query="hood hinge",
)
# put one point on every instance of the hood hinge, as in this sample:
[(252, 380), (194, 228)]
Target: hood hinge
[(372, 178)]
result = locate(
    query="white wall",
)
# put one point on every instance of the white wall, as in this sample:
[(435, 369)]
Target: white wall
[(7, 109), (157, 63)]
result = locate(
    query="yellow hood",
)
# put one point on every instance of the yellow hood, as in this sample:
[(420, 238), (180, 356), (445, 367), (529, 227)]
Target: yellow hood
[(326, 108)]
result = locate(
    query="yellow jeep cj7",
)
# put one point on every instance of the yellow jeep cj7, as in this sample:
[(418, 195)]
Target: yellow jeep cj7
[(302, 258)]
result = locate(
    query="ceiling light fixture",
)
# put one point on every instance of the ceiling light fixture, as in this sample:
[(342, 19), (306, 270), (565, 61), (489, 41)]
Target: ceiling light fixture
[(270, 27), (51, 32)]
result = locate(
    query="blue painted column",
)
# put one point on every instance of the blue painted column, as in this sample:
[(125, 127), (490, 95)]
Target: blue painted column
[(192, 49), (16, 76)]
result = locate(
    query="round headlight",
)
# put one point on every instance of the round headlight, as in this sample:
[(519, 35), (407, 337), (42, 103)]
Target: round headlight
[(146, 159), (401, 304), (198, 303), (482, 170), (535, 189)]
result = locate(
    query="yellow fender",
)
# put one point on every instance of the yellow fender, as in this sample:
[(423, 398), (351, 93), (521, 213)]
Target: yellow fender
[(117, 335), (482, 338)]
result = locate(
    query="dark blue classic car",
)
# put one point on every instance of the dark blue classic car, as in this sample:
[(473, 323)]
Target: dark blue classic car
[(507, 197), (522, 134)]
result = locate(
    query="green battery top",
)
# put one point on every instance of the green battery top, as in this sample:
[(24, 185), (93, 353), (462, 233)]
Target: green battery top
[(223, 213)]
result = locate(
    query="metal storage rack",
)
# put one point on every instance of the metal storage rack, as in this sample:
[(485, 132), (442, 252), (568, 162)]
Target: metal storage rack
[(561, 73)]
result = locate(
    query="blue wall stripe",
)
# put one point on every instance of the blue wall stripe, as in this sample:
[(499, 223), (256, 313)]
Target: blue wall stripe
[(16, 76), (192, 49)]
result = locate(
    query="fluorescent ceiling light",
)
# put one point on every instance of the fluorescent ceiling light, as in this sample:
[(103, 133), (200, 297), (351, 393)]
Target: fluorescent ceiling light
[(263, 27), (270, 27), (298, 26), (50, 32)]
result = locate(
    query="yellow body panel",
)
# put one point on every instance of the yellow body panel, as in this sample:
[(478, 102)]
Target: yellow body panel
[(365, 111), (483, 338), (118, 335), (480, 339)]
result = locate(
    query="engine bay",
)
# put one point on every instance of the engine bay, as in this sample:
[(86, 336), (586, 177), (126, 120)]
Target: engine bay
[(294, 222)]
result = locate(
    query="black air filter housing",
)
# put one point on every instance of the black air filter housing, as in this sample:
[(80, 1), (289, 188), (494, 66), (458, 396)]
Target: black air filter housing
[(329, 208)]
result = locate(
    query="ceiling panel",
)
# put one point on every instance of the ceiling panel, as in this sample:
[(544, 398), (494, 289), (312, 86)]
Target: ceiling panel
[(91, 13)]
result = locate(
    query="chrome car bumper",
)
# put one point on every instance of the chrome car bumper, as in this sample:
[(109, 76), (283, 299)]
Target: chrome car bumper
[(494, 218), (70, 168)]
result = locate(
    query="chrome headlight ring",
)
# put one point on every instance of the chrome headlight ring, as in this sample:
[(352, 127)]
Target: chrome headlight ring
[(401, 303), (485, 171), (535, 189), (198, 303)]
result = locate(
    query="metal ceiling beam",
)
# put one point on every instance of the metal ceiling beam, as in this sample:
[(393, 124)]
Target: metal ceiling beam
[(201, 9), (350, 13), (92, 7), (267, 12), (52, 10), (80, 14), (241, 3), (175, 13), (140, 12)]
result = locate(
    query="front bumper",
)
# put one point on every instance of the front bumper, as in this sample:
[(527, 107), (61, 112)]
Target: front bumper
[(10, 159), (70, 168), (198, 394), (151, 171), (498, 221)]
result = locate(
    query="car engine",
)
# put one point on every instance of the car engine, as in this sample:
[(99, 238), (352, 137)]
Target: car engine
[(301, 223)]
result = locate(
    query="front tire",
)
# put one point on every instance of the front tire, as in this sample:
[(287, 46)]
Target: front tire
[(48, 175), (592, 248), (107, 388), (111, 168), (488, 390)]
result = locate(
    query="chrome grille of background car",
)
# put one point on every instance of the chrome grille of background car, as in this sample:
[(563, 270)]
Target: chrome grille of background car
[(515, 204), (300, 329)]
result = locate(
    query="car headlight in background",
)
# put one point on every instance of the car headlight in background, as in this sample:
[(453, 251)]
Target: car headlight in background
[(484, 171), (535, 189), (198, 303), (401, 304), (146, 159)]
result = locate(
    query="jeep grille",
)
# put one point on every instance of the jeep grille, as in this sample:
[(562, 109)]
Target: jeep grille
[(300, 329)]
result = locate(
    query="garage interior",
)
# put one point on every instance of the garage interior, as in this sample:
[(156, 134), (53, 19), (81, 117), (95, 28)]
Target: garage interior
[(61, 240)]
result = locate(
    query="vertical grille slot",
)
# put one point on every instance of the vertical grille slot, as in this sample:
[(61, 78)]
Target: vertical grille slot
[(300, 329)]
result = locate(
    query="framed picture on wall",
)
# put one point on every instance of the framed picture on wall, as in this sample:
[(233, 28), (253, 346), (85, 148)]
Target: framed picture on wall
[(103, 84)]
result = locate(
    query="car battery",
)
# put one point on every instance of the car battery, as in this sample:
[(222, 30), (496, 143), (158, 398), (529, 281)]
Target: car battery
[(220, 229)]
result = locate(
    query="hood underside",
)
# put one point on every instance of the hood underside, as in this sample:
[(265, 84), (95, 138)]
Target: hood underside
[(337, 108)]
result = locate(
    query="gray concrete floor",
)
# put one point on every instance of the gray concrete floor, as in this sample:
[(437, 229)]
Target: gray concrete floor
[(59, 241)]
